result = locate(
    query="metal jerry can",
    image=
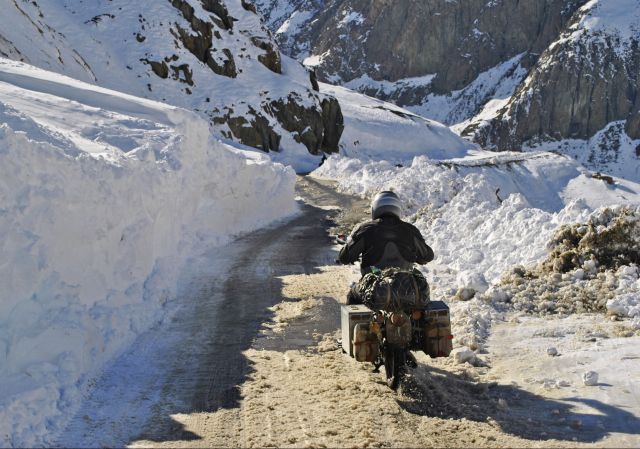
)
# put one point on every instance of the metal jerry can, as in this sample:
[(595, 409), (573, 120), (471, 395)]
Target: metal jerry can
[(437, 340)]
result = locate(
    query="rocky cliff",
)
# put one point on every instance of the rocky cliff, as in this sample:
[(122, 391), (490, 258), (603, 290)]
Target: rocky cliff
[(506, 73), (212, 56), (589, 78), (376, 45)]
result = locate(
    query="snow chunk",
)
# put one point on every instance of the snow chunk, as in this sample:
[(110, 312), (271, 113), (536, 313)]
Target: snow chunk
[(473, 281), (463, 355), (626, 305), (590, 378)]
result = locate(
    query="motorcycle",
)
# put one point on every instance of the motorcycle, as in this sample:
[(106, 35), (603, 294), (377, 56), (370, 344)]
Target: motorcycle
[(398, 318)]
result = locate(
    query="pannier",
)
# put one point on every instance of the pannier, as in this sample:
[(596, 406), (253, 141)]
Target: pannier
[(437, 340)]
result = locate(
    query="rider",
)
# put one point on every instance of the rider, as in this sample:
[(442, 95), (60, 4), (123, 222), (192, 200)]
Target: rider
[(384, 242)]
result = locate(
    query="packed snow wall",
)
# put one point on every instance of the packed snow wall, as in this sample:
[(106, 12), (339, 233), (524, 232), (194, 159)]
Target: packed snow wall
[(99, 210)]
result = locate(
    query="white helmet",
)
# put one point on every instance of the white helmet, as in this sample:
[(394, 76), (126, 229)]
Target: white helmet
[(386, 202)]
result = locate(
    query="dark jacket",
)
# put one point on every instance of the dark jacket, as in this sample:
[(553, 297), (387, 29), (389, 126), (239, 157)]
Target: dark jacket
[(384, 243)]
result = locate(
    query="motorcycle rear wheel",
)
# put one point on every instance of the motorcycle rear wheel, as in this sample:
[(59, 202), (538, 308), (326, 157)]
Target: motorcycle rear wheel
[(394, 366)]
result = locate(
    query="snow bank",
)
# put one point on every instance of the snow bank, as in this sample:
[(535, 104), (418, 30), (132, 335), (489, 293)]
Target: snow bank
[(99, 211), (485, 213), (591, 267)]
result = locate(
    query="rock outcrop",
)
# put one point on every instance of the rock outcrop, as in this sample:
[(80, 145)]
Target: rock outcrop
[(576, 89), (579, 86)]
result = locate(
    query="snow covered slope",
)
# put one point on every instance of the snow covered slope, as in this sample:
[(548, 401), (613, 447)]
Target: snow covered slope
[(104, 196), (374, 129), (485, 213), (210, 56)]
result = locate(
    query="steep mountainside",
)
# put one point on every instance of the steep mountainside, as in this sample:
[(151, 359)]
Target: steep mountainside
[(212, 56), (506, 73), (454, 41), (588, 78), (407, 49)]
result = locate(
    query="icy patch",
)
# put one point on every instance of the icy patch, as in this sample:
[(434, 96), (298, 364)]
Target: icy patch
[(315, 60), (295, 22), (351, 18)]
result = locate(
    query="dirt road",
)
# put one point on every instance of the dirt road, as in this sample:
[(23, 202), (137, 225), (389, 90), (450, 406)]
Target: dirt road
[(253, 361)]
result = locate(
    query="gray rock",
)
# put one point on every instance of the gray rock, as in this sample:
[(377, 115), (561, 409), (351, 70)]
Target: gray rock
[(407, 38), (575, 90)]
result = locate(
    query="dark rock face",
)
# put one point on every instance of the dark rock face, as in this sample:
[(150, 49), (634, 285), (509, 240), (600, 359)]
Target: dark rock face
[(199, 41), (575, 90), (318, 127), (220, 10), (225, 66), (159, 68), (257, 132), (271, 58), (333, 125), (249, 6), (454, 40), (633, 122), (319, 133)]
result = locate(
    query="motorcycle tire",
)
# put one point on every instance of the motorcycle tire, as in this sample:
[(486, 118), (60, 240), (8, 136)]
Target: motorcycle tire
[(394, 365)]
